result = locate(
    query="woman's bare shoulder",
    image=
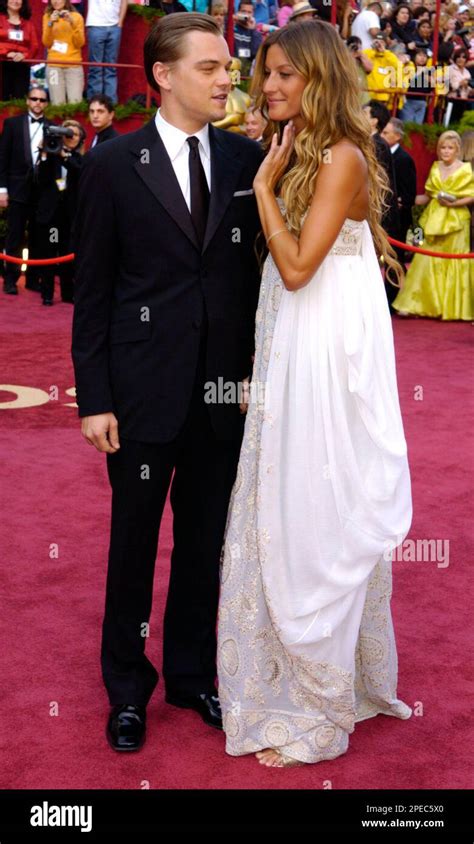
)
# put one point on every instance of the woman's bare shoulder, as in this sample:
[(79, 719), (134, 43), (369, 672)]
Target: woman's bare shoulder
[(346, 149)]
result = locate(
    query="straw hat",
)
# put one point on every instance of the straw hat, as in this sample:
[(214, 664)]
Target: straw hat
[(302, 8)]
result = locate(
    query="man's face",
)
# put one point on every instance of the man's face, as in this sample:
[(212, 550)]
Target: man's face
[(391, 136), (37, 101), (99, 116), (197, 85), (245, 9), (379, 46), (372, 121)]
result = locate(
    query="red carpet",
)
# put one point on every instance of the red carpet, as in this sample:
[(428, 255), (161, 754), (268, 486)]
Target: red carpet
[(56, 495)]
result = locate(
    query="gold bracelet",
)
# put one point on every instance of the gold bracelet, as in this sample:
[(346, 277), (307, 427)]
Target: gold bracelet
[(278, 231)]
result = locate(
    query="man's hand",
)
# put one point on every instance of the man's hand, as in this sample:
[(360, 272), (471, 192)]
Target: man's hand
[(3, 200), (101, 431)]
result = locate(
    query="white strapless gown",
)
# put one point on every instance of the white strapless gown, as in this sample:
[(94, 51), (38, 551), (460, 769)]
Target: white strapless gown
[(305, 639)]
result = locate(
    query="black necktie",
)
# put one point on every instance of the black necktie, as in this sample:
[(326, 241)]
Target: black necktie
[(199, 189)]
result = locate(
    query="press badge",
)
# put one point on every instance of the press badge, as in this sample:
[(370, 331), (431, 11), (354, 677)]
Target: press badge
[(60, 46), (15, 35), (244, 52)]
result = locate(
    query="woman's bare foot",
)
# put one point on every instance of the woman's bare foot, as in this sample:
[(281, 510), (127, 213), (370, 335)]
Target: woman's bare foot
[(272, 758), (268, 757)]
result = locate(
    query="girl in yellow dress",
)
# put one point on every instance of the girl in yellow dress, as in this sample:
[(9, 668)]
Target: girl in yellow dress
[(443, 287)]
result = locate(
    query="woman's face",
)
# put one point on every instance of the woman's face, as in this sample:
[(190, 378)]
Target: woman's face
[(425, 30), (461, 61), (403, 16), (448, 152), (58, 5), (14, 6), (73, 143), (219, 19), (283, 87)]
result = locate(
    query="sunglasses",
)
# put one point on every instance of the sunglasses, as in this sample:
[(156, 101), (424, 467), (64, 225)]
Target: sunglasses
[(38, 99)]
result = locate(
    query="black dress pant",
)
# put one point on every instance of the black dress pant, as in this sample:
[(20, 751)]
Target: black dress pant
[(20, 218), (15, 79), (48, 249), (202, 471)]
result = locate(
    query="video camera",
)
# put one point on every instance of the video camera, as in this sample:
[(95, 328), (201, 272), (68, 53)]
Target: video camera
[(53, 138)]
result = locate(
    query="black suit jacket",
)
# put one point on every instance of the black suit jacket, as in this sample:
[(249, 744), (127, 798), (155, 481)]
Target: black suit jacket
[(391, 216), (107, 135), (16, 165), (50, 201), (143, 285), (405, 175)]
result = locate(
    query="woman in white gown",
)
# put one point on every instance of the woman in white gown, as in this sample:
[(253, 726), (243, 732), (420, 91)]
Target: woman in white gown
[(322, 495)]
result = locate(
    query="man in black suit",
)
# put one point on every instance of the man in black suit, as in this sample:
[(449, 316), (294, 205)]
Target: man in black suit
[(378, 116), (405, 175), (167, 285), (19, 150), (101, 115)]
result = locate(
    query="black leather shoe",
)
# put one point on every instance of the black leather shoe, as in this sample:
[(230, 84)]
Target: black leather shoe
[(47, 302), (126, 727), (206, 705), (11, 288)]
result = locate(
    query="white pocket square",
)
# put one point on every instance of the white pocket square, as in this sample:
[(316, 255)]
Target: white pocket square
[(243, 192)]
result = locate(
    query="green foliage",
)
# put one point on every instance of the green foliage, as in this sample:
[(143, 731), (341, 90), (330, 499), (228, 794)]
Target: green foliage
[(431, 131), (148, 14), (72, 110)]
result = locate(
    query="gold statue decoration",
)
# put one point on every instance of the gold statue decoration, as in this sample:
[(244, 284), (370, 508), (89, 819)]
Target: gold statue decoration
[(237, 103)]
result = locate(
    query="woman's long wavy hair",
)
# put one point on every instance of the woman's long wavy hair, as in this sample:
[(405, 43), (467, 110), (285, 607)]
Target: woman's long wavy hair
[(331, 109)]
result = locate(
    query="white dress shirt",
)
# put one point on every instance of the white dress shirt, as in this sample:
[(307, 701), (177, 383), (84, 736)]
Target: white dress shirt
[(174, 141), (394, 148), (36, 136)]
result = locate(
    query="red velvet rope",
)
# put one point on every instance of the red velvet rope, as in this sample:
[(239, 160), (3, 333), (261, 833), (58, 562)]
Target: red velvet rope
[(64, 259), (410, 248)]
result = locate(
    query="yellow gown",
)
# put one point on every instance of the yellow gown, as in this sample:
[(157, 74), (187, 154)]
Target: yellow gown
[(442, 287)]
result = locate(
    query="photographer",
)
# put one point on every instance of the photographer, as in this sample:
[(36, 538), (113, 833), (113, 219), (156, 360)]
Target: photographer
[(63, 35), (363, 66), (57, 177), (387, 71), (246, 38)]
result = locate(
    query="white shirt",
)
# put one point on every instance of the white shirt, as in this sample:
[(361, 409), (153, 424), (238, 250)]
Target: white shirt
[(103, 12), (36, 136), (362, 23), (394, 148), (174, 141)]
